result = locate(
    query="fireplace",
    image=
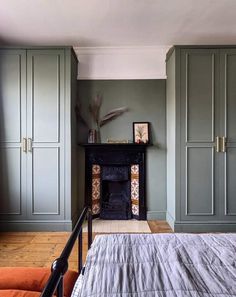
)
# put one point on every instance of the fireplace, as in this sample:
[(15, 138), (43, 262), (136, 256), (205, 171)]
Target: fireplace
[(115, 180), (115, 193)]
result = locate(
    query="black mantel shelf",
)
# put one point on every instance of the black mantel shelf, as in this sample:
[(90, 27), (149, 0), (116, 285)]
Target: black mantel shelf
[(104, 144)]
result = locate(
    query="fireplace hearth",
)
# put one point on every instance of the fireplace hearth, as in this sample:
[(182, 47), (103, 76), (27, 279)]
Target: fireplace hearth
[(115, 180)]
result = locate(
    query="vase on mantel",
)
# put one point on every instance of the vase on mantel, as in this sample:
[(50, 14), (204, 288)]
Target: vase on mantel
[(98, 135), (94, 135)]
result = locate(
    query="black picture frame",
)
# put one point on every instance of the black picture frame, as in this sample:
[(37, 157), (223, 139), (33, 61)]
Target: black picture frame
[(141, 132)]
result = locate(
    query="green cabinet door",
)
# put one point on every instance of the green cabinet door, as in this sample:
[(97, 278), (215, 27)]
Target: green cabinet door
[(228, 123), (45, 134), (12, 132), (201, 109), (200, 105), (37, 101)]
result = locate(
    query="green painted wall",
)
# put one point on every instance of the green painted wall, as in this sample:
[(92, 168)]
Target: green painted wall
[(146, 101)]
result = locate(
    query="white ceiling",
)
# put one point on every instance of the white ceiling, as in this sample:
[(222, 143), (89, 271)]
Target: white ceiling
[(117, 22)]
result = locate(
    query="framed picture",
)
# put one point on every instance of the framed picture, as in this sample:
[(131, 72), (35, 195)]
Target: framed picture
[(141, 132)]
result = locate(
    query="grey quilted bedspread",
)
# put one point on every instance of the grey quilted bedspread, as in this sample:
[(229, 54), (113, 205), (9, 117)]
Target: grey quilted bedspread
[(169, 265)]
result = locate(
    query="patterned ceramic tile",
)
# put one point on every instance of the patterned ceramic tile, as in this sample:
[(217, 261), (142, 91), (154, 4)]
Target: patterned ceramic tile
[(135, 189), (96, 169), (96, 191)]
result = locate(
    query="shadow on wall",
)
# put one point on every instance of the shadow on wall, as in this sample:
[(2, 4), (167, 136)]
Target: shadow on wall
[(84, 125)]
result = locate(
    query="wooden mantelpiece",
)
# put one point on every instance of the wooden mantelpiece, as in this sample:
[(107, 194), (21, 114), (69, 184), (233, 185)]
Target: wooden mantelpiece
[(117, 154)]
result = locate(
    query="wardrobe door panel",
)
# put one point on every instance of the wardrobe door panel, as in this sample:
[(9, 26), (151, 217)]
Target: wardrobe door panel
[(45, 184), (45, 81), (199, 193), (229, 96), (230, 184), (12, 132), (199, 95), (45, 111), (11, 95), (199, 108), (228, 119), (10, 181)]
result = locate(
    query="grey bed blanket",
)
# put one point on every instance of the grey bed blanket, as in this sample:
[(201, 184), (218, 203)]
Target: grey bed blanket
[(167, 265)]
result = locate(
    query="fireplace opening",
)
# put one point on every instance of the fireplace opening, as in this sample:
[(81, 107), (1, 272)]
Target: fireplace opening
[(115, 193)]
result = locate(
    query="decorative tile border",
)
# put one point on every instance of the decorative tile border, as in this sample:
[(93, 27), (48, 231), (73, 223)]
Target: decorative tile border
[(96, 191), (135, 189)]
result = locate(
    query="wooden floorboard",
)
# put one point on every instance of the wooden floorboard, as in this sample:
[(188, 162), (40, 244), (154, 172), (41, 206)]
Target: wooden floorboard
[(159, 227), (39, 249)]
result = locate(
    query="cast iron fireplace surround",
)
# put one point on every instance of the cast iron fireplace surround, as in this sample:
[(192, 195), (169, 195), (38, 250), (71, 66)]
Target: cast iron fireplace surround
[(115, 180)]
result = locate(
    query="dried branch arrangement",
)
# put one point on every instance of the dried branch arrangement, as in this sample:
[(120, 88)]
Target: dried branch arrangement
[(94, 109)]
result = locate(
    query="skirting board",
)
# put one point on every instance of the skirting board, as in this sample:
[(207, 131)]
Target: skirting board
[(156, 215), (170, 220), (31, 226), (200, 226), (204, 227)]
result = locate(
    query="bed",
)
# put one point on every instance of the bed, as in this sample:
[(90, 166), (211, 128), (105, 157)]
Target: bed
[(166, 265)]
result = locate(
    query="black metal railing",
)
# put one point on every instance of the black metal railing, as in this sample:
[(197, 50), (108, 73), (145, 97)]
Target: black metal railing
[(60, 265)]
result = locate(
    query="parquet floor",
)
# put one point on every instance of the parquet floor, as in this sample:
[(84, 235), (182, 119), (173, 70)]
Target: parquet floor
[(39, 249)]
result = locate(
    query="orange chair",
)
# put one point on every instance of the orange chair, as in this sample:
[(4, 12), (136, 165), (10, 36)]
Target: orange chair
[(30, 281)]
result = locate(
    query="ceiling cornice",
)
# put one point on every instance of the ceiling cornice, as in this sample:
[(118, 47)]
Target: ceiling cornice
[(132, 62), (120, 50)]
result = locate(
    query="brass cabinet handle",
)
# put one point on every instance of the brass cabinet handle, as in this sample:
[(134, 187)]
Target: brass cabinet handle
[(217, 144), (223, 144), (30, 145), (24, 145)]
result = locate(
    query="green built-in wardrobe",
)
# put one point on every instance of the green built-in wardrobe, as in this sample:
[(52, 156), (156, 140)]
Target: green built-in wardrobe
[(201, 138), (37, 138)]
